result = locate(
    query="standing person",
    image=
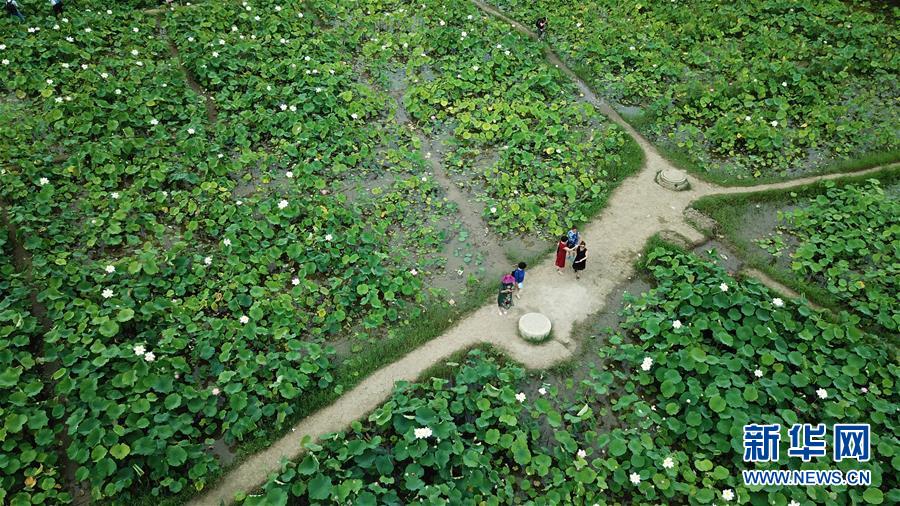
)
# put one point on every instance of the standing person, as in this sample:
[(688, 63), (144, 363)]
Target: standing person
[(12, 8), (541, 25), (561, 251), (57, 7), (572, 239), (580, 261), (504, 298), (519, 275)]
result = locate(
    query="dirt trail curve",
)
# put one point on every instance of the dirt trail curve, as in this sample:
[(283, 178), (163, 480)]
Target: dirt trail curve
[(637, 209)]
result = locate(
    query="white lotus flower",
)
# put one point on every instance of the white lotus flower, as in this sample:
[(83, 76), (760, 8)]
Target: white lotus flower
[(822, 393), (777, 302), (328, 237), (207, 260), (723, 287), (226, 241), (295, 281), (728, 494), (244, 319), (139, 349), (107, 293), (582, 454), (542, 391), (668, 463), (758, 373), (520, 397), (676, 324), (635, 478), (110, 269), (149, 356), (422, 433), (282, 204), (43, 181), (774, 123)]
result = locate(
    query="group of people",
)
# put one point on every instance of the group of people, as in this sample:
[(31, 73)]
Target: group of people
[(570, 248), (12, 8)]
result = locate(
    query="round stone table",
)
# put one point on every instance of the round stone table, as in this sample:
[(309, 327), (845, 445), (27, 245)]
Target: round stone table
[(672, 179), (534, 327)]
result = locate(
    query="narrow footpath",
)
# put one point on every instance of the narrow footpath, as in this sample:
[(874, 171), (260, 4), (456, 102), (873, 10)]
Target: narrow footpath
[(637, 209)]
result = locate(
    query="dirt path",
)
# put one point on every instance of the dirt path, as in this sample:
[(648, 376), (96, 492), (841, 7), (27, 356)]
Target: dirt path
[(637, 209), (212, 113)]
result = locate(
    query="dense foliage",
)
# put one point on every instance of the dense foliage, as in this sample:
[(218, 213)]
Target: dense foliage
[(848, 239), (745, 88), (182, 185), (701, 355)]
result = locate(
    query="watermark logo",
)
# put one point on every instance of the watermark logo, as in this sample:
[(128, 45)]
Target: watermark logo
[(808, 442)]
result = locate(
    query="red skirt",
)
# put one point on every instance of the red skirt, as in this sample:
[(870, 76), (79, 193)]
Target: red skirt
[(560, 256)]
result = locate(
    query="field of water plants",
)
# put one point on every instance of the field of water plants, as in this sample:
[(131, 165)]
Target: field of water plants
[(657, 419), (200, 200), (219, 216), (740, 90)]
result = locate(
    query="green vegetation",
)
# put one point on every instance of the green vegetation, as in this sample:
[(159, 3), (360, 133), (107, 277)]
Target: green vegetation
[(738, 90), (837, 242), (205, 198), (698, 356)]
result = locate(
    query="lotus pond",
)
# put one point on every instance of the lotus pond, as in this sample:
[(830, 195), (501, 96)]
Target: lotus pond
[(656, 419), (740, 90)]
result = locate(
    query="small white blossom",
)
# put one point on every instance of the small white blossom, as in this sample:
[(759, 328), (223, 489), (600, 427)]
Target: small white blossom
[(414, 272), (226, 241), (635, 478), (282, 204), (542, 391), (5, 61), (747, 118), (216, 391), (110, 269), (289, 174), (295, 281), (107, 293), (632, 48), (244, 319), (758, 373), (676, 324), (154, 121), (328, 237), (822, 393), (114, 195), (191, 131), (520, 397), (149, 356), (774, 123), (493, 210), (422, 433), (777, 302), (581, 454), (728, 494), (793, 503), (647, 363), (43, 181), (207, 260), (139, 349), (723, 287), (354, 116), (784, 83), (668, 463)]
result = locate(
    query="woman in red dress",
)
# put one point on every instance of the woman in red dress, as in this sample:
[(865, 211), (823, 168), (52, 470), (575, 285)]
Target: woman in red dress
[(561, 250)]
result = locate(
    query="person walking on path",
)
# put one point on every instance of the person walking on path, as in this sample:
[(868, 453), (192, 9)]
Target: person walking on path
[(562, 250), (12, 8), (57, 7), (580, 261), (541, 25), (519, 275), (504, 298), (572, 239)]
